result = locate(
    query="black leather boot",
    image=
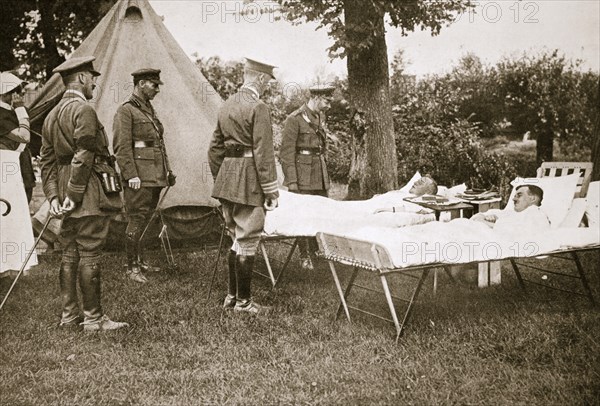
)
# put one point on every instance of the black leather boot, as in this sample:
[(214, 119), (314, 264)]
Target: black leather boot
[(229, 301), (90, 285), (68, 292), (244, 303)]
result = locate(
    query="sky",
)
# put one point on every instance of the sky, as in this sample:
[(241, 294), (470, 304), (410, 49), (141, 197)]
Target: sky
[(496, 29)]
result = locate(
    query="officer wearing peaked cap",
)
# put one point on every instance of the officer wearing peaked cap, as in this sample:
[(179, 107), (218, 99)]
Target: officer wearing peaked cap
[(142, 157), (242, 162), (302, 152), (75, 156)]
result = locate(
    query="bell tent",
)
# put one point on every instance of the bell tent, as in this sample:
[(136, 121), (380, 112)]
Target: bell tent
[(132, 36)]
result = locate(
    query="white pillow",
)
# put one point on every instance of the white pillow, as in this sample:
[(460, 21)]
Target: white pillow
[(592, 209), (575, 214), (406, 188), (558, 195)]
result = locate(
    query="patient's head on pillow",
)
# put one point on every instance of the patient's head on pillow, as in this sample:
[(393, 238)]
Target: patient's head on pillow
[(424, 186), (527, 195)]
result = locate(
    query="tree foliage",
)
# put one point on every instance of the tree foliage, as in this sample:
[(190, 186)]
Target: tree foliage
[(357, 28), (37, 35), (548, 95)]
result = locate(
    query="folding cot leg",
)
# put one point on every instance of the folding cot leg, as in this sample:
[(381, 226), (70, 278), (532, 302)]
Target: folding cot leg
[(287, 261), (263, 250), (341, 293), (347, 292), (411, 303), (519, 278), (583, 278), (449, 274), (388, 297)]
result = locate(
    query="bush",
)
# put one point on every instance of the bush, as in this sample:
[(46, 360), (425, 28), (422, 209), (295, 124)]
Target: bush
[(452, 154)]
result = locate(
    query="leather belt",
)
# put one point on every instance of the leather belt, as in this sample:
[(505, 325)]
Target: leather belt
[(304, 151), (143, 144), (98, 159), (238, 151)]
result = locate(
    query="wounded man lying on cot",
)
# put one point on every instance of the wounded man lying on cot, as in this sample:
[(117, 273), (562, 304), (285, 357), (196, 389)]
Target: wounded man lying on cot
[(424, 186), (526, 214)]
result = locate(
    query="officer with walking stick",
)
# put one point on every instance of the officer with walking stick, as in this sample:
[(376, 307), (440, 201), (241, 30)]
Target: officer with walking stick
[(142, 157)]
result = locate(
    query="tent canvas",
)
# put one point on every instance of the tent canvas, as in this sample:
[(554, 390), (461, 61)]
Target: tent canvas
[(132, 36)]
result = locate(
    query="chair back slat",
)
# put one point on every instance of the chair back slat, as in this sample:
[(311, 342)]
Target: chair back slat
[(555, 169)]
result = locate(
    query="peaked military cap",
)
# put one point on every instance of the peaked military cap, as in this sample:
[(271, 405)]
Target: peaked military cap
[(260, 67), (153, 75), (9, 82), (321, 90), (79, 64)]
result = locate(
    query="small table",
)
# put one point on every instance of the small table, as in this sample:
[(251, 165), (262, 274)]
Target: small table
[(489, 273), (456, 210), (481, 206)]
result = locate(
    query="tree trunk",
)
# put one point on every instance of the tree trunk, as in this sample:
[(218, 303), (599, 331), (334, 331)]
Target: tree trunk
[(48, 31), (374, 161), (544, 146)]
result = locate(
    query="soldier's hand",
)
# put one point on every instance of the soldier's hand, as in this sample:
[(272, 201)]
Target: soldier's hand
[(293, 187), (68, 205), (135, 183), (271, 204), (55, 209)]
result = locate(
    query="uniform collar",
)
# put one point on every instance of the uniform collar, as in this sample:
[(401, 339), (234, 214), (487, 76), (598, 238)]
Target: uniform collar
[(71, 93), (251, 90), (310, 116), (143, 103), (6, 106)]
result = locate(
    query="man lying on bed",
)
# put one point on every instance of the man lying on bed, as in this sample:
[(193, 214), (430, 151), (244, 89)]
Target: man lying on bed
[(527, 212), (424, 186), (305, 215)]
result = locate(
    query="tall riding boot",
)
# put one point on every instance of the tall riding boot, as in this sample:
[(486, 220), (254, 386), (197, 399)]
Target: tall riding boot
[(244, 303), (134, 271), (90, 285), (68, 289), (229, 301)]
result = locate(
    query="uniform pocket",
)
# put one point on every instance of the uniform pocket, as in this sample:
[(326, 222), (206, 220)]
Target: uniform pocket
[(304, 169), (145, 163), (143, 129)]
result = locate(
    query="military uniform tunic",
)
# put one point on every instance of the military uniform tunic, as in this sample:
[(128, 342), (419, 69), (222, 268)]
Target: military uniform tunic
[(137, 132), (243, 120), (242, 179), (303, 146), (74, 149)]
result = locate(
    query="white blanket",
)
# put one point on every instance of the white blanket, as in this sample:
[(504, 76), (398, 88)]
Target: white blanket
[(463, 241), (305, 215)]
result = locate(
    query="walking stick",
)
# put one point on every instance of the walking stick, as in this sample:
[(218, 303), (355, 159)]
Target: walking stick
[(163, 231), (212, 280), (155, 213), (26, 261)]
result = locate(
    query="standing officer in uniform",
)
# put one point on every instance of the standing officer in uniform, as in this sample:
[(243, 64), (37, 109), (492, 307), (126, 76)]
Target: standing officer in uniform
[(242, 162), (142, 158), (75, 157), (302, 153)]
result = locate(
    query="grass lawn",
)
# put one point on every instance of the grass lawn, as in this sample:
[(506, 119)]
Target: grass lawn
[(492, 346)]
